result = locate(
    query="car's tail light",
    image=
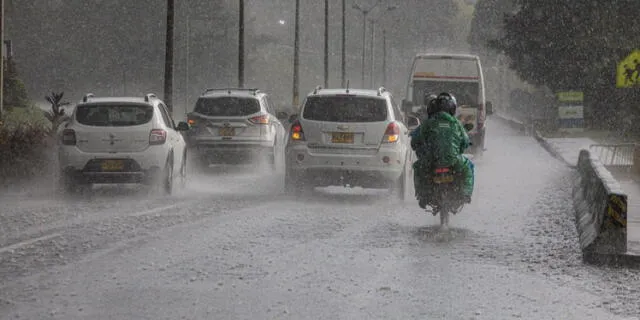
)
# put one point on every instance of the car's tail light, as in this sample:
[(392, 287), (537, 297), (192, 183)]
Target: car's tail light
[(392, 134), (262, 119), (68, 137), (296, 131), (157, 136), (191, 122)]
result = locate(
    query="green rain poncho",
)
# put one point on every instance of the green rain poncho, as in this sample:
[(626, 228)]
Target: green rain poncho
[(440, 142)]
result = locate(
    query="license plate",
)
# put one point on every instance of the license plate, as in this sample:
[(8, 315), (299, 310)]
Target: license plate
[(443, 179), (112, 165), (342, 137), (227, 132)]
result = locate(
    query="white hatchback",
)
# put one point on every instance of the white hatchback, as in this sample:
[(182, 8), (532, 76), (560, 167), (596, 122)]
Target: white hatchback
[(122, 140), (347, 137)]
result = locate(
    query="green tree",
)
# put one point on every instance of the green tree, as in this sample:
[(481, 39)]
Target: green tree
[(15, 93), (570, 44)]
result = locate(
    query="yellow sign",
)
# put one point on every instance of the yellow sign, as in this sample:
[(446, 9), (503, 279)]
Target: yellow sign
[(628, 73), (570, 96)]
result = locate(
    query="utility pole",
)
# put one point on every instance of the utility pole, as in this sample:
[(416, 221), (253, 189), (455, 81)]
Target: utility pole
[(326, 43), (241, 45), (168, 60), (2, 58), (296, 56), (373, 54), (186, 66), (344, 45), (384, 57)]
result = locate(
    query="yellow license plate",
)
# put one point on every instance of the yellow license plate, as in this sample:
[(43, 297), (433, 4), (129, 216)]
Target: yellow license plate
[(443, 179), (342, 137), (227, 132), (112, 165)]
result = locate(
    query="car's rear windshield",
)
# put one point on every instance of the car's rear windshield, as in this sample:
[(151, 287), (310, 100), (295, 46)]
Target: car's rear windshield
[(227, 106), (114, 115), (466, 93), (345, 109)]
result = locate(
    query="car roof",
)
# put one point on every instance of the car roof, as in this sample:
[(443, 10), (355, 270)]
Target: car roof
[(97, 100), (221, 92), (354, 92)]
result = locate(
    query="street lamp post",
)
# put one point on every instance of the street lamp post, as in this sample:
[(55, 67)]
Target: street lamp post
[(296, 56), (384, 57), (365, 13), (326, 43), (241, 44), (344, 42), (168, 60)]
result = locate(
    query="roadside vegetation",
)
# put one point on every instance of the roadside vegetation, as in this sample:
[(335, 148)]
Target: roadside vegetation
[(27, 133)]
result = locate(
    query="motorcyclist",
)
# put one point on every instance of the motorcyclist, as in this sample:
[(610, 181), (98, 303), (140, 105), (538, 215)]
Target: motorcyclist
[(440, 142), (428, 109)]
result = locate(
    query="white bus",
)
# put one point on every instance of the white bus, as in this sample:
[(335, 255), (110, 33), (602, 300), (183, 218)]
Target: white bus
[(459, 74)]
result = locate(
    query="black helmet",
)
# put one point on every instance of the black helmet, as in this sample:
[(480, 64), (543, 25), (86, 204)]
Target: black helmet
[(427, 110), (447, 103), (428, 97)]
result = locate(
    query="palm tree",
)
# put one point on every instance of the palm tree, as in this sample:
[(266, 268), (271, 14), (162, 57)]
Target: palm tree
[(56, 115)]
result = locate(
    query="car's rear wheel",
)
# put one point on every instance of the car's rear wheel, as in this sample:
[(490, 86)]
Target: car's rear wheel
[(183, 172), (401, 186), (167, 180)]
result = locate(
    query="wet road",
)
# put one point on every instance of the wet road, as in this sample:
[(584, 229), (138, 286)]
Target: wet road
[(233, 247)]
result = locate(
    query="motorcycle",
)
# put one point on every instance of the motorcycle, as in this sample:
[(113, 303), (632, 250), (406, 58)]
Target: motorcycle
[(446, 194)]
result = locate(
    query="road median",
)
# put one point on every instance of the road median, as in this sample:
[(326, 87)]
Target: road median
[(600, 207)]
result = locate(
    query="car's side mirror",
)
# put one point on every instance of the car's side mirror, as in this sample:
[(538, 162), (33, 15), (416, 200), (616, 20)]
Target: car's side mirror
[(489, 108), (413, 122), (182, 126), (293, 118), (281, 115)]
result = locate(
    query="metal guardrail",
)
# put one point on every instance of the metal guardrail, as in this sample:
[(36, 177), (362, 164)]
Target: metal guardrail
[(614, 154)]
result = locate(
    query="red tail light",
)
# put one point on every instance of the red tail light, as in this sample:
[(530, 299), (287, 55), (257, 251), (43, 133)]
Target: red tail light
[(442, 170), (296, 131), (68, 137), (157, 136), (392, 134), (263, 119)]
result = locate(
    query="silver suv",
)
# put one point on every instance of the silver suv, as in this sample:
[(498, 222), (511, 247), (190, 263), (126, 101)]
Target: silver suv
[(347, 137), (232, 125)]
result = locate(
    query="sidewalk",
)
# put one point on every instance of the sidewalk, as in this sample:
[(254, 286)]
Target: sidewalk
[(568, 149)]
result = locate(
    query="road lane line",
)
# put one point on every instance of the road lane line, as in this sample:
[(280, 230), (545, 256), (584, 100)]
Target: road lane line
[(28, 242)]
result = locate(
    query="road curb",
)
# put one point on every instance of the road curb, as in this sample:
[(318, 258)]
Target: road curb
[(513, 123), (553, 151)]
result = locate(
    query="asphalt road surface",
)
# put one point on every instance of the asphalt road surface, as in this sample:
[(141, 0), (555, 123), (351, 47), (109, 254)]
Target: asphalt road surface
[(232, 246)]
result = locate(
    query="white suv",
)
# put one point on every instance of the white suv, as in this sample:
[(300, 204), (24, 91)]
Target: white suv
[(347, 137), (235, 125), (122, 140)]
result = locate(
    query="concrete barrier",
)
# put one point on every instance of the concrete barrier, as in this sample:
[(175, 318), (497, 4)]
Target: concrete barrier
[(601, 210)]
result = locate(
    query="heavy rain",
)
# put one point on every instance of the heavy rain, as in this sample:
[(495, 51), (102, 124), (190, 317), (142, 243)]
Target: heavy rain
[(309, 159)]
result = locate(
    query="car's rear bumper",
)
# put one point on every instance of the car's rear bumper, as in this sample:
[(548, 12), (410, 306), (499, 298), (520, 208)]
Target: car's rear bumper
[(367, 170), (85, 177), (243, 152)]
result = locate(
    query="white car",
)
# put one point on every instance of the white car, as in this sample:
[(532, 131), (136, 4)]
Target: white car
[(348, 137), (234, 125), (122, 140)]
